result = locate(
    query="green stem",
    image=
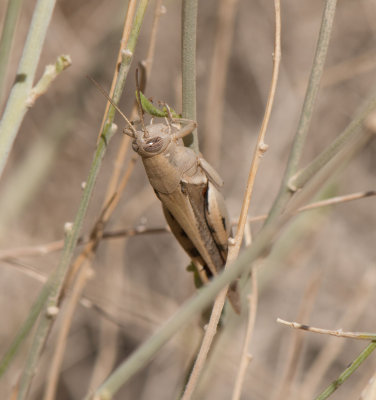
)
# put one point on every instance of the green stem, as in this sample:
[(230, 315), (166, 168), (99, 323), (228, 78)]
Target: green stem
[(51, 291), (17, 104), (347, 372), (7, 36), (307, 110), (301, 178), (189, 29)]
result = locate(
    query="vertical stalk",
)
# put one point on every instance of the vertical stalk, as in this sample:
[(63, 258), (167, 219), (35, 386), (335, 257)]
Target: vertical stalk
[(189, 29), (7, 35)]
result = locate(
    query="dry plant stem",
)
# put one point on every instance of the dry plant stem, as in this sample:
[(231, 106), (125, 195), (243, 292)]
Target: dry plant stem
[(188, 45), (336, 332), (347, 372), (234, 249), (53, 374), (47, 248), (217, 80), (82, 267), (323, 203), (124, 40), (283, 390), (50, 293), (17, 103), (149, 62), (261, 147), (307, 110), (7, 35), (211, 330), (246, 356)]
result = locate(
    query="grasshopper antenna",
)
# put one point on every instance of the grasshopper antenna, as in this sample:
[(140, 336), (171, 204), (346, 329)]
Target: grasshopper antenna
[(141, 115), (100, 88)]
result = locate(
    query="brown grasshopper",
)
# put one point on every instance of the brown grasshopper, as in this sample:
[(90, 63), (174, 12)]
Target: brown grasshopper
[(188, 188)]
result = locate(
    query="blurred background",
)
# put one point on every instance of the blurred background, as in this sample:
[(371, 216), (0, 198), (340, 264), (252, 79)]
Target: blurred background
[(322, 270)]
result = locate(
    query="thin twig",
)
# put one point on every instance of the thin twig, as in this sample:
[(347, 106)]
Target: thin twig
[(51, 386), (323, 203), (336, 332), (206, 343), (284, 193), (188, 46), (253, 301), (123, 46), (43, 249), (234, 249)]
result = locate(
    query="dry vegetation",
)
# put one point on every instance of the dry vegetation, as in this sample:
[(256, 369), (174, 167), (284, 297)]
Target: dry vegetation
[(321, 271)]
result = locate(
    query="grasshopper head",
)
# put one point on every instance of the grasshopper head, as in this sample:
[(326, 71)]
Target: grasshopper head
[(152, 142)]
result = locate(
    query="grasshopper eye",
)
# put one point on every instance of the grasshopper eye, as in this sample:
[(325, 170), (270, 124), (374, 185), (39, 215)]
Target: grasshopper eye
[(153, 145)]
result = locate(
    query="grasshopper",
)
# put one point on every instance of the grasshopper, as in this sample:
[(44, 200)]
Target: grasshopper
[(189, 190)]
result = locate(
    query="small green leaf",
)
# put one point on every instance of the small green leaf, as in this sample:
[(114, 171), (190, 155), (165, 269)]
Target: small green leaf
[(150, 108)]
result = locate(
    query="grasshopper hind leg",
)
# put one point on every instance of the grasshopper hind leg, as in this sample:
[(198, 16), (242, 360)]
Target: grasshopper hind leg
[(202, 269), (188, 246)]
